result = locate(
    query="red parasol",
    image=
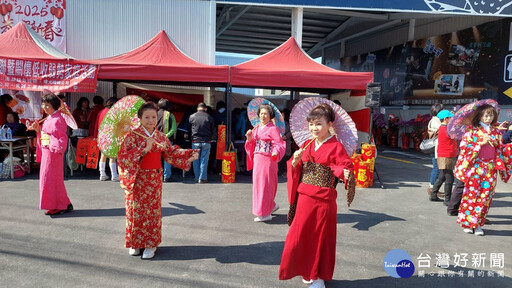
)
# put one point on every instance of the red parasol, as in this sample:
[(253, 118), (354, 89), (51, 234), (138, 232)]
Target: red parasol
[(462, 118), (344, 126)]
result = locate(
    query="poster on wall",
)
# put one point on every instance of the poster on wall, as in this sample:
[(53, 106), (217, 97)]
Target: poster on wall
[(449, 84), (26, 103), (46, 17), (454, 68)]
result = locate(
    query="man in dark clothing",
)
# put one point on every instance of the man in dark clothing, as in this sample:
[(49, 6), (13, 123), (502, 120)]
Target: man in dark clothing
[(201, 129)]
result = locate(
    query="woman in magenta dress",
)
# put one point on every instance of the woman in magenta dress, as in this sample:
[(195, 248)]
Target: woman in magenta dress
[(52, 141), (313, 172), (141, 178), (265, 148)]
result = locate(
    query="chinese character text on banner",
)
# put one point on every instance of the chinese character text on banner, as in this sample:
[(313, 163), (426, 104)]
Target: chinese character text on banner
[(46, 17)]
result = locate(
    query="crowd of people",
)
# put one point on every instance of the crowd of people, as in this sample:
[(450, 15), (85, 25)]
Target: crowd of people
[(148, 153)]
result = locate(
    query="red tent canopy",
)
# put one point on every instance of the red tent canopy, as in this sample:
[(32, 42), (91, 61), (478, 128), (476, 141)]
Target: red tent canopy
[(29, 62), (21, 42), (159, 60), (288, 66)]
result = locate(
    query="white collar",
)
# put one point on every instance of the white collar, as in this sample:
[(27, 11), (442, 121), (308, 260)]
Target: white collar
[(485, 126), (147, 133), (318, 144)]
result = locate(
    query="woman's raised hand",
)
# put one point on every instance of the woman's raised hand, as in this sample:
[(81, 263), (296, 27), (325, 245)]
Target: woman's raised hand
[(248, 135), (297, 155)]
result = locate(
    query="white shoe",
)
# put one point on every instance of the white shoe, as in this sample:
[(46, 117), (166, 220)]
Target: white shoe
[(479, 231), (468, 230), (263, 219), (134, 252), (148, 253), (319, 283), (115, 179), (275, 208), (103, 177), (307, 281)]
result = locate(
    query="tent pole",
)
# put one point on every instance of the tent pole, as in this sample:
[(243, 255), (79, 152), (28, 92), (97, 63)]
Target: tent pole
[(114, 89)]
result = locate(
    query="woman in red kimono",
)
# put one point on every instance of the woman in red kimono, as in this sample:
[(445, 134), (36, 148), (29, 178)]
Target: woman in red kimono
[(265, 148), (310, 246), (482, 154), (141, 178), (52, 141)]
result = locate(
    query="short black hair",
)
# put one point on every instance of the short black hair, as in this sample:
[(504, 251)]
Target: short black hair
[(267, 107), (164, 104), (110, 102), (147, 106), (15, 115), (5, 98), (220, 105), (98, 100), (53, 100), (80, 101), (321, 110), (201, 105)]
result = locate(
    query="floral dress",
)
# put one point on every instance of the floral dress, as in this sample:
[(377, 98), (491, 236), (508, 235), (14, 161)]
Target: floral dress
[(141, 178), (479, 174)]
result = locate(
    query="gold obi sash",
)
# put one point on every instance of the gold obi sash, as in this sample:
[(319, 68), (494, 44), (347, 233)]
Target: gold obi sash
[(45, 140), (318, 175)]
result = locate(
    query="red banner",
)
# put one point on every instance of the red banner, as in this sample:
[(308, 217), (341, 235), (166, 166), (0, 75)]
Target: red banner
[(221, 141), (56, 76)]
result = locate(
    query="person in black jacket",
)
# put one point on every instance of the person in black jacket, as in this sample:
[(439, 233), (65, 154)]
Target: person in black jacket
[(201, 128)]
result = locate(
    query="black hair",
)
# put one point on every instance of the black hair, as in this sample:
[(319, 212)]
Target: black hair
[(15, 115), (267, 107), (201, 105), (80, 101), (480, 111), (164, 104), (220, 105), (5, 98), (147, 106), (321, 110), (110, 102), (53, 100), (436, 108), (98, 100)]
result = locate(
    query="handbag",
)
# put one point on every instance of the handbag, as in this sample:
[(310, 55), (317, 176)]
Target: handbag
[(428, 146)]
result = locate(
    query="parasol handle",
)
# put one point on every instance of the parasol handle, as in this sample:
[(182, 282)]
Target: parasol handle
[(312, 140), (146, 137)]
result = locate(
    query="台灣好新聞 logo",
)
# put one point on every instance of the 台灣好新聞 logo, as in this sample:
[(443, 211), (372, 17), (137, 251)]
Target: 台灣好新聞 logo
[(398, 264)]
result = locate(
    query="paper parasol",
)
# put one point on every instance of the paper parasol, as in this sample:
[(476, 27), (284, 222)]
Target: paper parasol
[(68, 117), (462, 118), (119, 120), (252, 114), (344, 126)]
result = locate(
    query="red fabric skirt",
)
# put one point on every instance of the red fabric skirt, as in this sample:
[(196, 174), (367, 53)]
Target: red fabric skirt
[(310, 246)]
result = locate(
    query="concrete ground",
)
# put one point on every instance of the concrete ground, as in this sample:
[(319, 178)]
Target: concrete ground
[(210, 239)]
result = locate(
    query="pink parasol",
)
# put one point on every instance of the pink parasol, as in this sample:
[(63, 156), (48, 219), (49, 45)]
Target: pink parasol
[(66, 114), (252, 114), (344, 126), (118, 121), (462, 118)]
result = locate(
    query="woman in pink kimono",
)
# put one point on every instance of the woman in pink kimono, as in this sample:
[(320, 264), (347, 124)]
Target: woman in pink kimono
[(52, 142), (265, 148)]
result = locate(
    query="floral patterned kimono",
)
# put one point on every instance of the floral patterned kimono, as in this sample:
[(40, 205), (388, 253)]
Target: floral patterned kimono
[(477, 167), (141, 178)]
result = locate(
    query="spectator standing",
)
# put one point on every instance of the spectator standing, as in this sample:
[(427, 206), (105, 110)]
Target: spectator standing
[(433, 126), (80, 115), (92, 116), (447, 152), (103, 158), (167, 125), (201, 127)]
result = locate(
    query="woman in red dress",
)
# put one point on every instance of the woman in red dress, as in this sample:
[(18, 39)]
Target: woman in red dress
[(141, 178), (310, 246)]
